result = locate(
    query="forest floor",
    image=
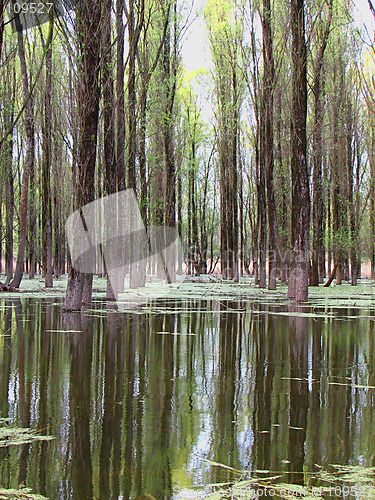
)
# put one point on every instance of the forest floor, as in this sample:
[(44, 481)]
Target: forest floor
[(212, 288)]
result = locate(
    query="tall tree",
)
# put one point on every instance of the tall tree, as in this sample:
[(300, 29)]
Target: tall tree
[(29, 159), (120, 95), (134, 30), (169, 64), (46, 170), (225, 39), (2, 12), (318, 250), (9, 98), (88, 15), (109, 147), (267, 137), (300, 221)]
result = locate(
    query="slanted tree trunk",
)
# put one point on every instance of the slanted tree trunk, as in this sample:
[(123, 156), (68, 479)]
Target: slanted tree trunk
[(7, 161), (300, 222), (88, 18), (29, 159), (2, 11), (9, 203)]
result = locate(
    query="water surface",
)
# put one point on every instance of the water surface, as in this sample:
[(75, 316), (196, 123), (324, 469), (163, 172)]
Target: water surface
[(139, 404)]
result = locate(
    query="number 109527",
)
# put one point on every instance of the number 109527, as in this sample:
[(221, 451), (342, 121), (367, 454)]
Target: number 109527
[(31, 8)]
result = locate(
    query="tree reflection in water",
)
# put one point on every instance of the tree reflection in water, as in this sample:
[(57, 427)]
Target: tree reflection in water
[(136, 401)]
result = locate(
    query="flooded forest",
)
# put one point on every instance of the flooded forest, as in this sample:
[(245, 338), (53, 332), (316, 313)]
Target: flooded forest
[(187, 249)]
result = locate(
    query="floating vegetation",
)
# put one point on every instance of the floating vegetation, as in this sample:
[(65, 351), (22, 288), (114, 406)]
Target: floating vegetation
[(15, 436), (343, 482), (177, 333), (64, 331), (353, 386)]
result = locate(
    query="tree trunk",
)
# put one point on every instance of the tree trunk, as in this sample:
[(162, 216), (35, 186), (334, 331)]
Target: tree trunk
[(32, 217), (337, 208), (169, 62), (29, 160), (133, 31), (262, 205), (88, 17), (260, 244), (46, 173), (267, 98), (2, 12), (111, 180), (7, 160), (87, 289), (298, 280), (351, 197), (318, 250), (233, 203), (120, 96)]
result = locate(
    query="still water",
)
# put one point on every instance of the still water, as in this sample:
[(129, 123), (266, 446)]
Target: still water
[(139, 404)]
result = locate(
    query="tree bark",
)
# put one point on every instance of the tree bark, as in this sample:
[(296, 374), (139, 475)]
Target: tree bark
[(120, 96), (111, 178), (7, 160), (136, 277), (354, 233), (46, 172), (298, 279), (318, 249), (29, 159), (2, 11), (88, 17), (267, 98), (169, 64), (32, 216)]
